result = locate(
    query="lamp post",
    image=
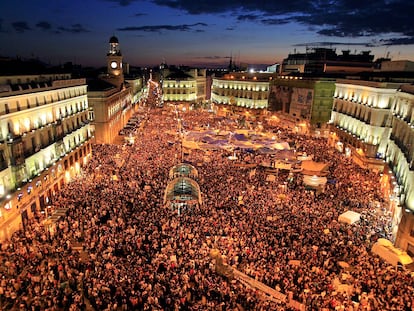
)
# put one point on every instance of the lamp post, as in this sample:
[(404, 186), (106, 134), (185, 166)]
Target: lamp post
[(181, 152)]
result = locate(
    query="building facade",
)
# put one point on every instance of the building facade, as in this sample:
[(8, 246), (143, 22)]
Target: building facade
[(45, 138), (400, 158), (241, 90), (111, 98), (303, 99), (110, 109), (326, 60), (373, 122), (183, 85), (361, 119)]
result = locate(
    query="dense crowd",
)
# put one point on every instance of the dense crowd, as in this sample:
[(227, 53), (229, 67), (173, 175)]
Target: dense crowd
[(137, 253)]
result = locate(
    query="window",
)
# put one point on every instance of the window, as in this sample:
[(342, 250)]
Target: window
[(49, 133), (384, 121), (3, 162)]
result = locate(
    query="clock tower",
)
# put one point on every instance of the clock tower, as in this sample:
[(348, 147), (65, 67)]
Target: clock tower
[(114, 59)]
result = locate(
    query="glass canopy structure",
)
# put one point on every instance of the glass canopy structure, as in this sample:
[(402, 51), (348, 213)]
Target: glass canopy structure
[(183, 170), (182, 193)]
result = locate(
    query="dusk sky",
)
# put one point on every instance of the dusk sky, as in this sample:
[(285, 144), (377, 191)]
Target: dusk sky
[(199, 32)]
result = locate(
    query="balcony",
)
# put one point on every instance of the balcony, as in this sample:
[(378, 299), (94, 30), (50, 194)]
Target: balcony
[(406, 150)]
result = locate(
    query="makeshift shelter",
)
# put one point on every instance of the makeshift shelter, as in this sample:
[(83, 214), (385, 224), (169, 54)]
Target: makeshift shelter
[(227, 140), (238, 136), (349, 217), (190, 144), (314, 168), (314, 181)]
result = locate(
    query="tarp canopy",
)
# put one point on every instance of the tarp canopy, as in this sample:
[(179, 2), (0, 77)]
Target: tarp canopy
[(228, 140), (266, 150), (349, 217), (314, 181), (240, 137), (287, 155), (207, 139), (279, 145), (190, 144), (314, 168)]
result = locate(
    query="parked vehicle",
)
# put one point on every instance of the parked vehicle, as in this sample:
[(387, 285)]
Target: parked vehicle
[(393, 255)]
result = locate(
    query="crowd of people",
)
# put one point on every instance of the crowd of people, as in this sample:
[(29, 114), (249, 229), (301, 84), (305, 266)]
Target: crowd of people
[(120, 247)]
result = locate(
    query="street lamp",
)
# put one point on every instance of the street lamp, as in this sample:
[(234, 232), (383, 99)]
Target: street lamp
[(182, 151)]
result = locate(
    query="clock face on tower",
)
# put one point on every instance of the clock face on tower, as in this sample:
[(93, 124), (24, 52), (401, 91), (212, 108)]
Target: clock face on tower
[(114, 65)]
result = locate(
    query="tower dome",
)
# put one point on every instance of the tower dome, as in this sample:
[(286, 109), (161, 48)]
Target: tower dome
[(113, 39)]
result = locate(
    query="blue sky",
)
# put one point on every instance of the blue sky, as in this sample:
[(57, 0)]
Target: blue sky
[(198, 32)]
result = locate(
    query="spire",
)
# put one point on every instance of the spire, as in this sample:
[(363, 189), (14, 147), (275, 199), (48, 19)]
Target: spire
[(231, 63)]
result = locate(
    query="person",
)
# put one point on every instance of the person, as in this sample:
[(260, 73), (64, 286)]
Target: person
[(138, 254)]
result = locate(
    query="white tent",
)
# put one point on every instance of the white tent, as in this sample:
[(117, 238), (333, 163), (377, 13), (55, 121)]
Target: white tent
[(349, 217), (314, 181)]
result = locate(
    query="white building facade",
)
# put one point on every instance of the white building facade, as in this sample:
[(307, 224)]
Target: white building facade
[(361, 113), (400, 156), (187, 86), (241, 90), (44, 140), (373, 122)]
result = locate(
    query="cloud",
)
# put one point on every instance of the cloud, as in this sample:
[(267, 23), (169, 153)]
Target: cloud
[(44, 25), (264, 19), (213, 57), (398, 41), (75, 28), (331, 18), (122, 2), (335, 43), (21, 26), (276, 21), (140, 14), (200, 7), (247, 6), (248, 17), (159, 28)]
